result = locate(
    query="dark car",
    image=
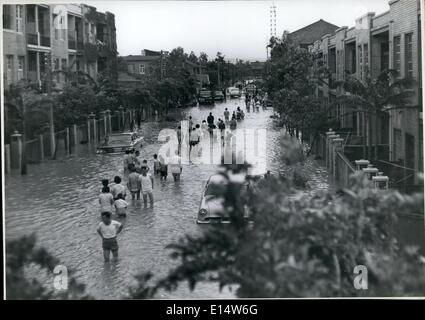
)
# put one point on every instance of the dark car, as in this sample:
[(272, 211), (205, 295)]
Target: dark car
[(218, 95), (120, 142), (205, 97)]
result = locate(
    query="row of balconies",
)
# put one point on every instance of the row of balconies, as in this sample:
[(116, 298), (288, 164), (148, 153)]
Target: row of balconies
[(36, 38)]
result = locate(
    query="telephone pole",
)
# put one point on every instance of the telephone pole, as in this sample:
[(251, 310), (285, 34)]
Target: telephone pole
[(48, 62), (272, 25), (218, 74)]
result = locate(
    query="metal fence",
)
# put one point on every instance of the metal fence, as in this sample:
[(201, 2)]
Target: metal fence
[(69, 139), (33, 151)]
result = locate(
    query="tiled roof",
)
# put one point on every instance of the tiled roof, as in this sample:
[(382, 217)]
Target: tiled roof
[(141, 58), (125, 77), (315, 31)]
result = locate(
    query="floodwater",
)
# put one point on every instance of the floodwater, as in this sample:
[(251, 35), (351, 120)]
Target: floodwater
[(58, 200)]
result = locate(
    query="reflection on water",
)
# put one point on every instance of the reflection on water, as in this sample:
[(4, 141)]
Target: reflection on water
[(58, 200)]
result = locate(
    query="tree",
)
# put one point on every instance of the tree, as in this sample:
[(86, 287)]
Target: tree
[(27, 112), (203, 58), (374, 97), (22, 254), (291, 85), (193, 58)]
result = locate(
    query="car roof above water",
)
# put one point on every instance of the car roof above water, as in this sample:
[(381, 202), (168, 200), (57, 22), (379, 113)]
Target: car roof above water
[(220, 179)]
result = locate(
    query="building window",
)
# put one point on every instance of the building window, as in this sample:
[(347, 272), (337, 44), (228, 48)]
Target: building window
[(7, 17), (21, 61), (409, 55), (9, 58), (397, 63), (142, 69), (366, 60), (9, 74), (397, 145), (63, 64), (56, 64), (56, 68), (360, 50), (21, 67)]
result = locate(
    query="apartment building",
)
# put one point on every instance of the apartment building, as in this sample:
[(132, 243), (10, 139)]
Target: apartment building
[(148, 63), (390, 40), (69, 37), (154, 64)]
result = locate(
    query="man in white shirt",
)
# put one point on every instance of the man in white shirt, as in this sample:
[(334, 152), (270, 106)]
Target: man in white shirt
[(175, 166), (146, 181), (108, 230)]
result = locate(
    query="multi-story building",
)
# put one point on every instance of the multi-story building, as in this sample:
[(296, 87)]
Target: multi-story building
[(69, 37), (153, 64), (391, 40), (148, 63)]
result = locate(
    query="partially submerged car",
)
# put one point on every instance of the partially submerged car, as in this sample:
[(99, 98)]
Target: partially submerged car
[(233, 92), (120, 142), (211, 207), (205, 97), (218, 95)]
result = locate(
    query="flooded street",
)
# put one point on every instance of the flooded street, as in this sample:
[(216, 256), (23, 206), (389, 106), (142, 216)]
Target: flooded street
[(58, 200)]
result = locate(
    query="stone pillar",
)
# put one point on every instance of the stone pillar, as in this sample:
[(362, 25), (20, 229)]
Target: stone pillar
[(108, 116), (88, 129), (16, 150), (380, 181), (7, 158), (329, 133), (131, 120), (360, 164), (118, 117), (370, 171), (105, 125), (41, 140), (75, 134), (337, 147), (331, 150), (95, 137), (121, 110), (67, 141)]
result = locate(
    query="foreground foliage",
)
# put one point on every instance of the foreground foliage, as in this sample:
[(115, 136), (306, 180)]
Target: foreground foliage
[(298, 245), (22, 254)]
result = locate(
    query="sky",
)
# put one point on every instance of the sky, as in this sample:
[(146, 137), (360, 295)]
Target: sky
[(238, 29)]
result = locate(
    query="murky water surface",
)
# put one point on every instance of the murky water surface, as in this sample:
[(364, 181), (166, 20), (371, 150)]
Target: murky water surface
[(58, 200)]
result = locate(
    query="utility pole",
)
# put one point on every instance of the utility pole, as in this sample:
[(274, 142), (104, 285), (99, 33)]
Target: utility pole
[(24, 140), (48, 61), (218, 73)]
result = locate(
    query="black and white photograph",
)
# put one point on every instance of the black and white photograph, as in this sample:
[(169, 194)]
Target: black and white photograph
[(213, 150)]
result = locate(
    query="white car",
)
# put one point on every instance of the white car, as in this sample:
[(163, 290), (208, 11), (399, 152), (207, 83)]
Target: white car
[(233, 92), (211, 207)]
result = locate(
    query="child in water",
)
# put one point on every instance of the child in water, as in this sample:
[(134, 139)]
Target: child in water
[(156, 164), (120, 206)]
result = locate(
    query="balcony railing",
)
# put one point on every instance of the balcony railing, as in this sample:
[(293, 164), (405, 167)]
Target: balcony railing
[(38, 39), (44, 40), (32, 38), (72, 40)]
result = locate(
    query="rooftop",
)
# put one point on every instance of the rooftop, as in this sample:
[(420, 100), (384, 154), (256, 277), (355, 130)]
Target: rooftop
[(140, 58), (315, 31)]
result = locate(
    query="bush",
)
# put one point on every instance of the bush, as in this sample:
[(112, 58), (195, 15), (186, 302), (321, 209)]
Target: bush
[(303, 246)]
